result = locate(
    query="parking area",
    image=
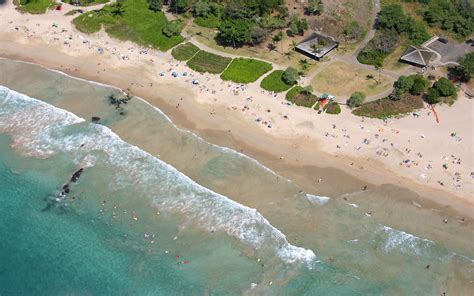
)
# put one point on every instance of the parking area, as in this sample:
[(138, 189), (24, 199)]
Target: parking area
[(451, 51)]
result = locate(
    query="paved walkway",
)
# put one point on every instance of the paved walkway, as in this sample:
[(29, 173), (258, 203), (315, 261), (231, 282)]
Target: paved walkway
[(348, 59)]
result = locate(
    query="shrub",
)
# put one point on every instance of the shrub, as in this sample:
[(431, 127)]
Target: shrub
[(294, 91), (332, 108), (356, 99), (386, 107), (444, 87), (432, 97), (291, 76), (304, 99), (172, 28), (274, 82), (419, 86)]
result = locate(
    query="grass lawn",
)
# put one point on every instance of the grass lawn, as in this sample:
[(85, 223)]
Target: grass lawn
[(137, 24), (341, 79), (205, 61), (87, 2), (33, 6), (245, 70), (210, 22), (185, 51), (294, 91), (274, 82), (385, 107)]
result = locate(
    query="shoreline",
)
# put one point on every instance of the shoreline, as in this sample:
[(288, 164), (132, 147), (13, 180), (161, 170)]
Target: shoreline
[(269, 159), (291, 151)]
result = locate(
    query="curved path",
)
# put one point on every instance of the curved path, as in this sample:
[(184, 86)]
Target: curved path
[(350, 59)]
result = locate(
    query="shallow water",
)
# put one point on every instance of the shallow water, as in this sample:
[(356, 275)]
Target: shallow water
[(223, 246)]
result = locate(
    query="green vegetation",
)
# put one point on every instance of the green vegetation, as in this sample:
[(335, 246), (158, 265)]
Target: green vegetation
[(452, 16), (383, 108), (414, 84), (211, 21), (442, 90), (290, 76), (392, 23), (304, 99), (315, 7), (274, 82), (172, 28), (245, 70), (185, 51), (205, 61), (465, 71), (84, 2), (356, 99), (155, 5), (132, 20), (239, 22), (34, 6), (294, 91), (332, 108), (297, 26), (302, 96)]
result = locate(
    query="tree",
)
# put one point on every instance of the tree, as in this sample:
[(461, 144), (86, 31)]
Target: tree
[(315, 7), (353, 31), (180, 5), (202, 9), (118, 9), (392, 17), (235, 32), (419, 86), (257, 34), (304, 64), (444, 87), (290, 76), (172, 28), (356, 99), (297, 26), (278, 38), (466, 65), (155, 5), (432, 97)]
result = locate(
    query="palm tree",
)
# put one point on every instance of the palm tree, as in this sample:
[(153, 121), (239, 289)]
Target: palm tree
[(288, 54), (304, 64), (293, 45)]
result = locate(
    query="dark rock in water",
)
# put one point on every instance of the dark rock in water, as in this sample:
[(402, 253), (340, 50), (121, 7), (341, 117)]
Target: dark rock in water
[(95, 118), (66, 186), (77, 175), (67, 190)]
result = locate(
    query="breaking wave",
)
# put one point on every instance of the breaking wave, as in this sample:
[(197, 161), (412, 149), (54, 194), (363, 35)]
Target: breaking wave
[(41, 130)]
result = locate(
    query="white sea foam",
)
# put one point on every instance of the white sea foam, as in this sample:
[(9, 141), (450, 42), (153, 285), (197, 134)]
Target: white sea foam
[(221, 148), (40, 129), (315, 199), (405, 242)]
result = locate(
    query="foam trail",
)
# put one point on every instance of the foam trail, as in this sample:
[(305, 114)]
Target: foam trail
[(39, 129), (222, 148), (318, 200)]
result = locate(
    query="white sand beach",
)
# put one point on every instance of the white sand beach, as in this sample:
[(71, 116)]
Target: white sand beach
[(433, 159)]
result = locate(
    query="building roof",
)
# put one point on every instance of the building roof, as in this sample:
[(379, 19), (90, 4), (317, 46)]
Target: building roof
[(307, 45), (417, 56)]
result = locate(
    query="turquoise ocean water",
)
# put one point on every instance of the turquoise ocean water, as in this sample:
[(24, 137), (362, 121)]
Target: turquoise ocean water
[(133, 224)]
